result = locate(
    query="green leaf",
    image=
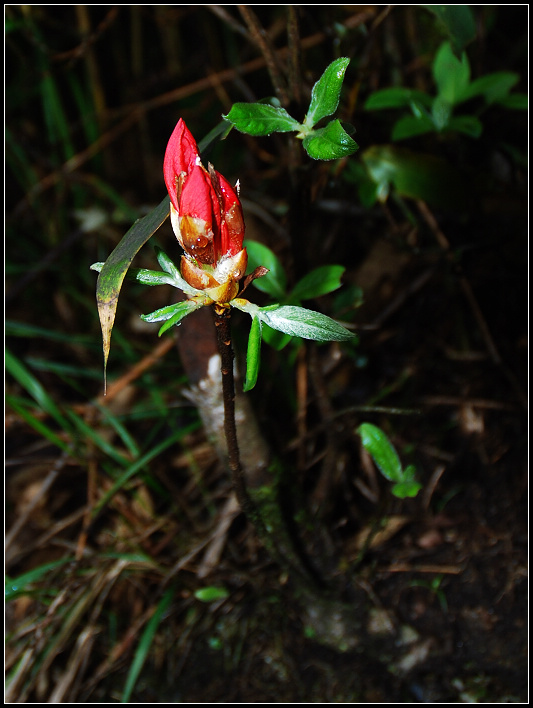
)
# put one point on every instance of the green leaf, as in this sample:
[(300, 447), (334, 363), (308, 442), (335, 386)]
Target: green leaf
[(441, 113), (181, 312), (378, 445), (275, 339), (458, 23), (141, 463), (326, 92), (515, 101), (114, 269), (155, 277), (329, 143), (19, 585), (320, 281), (165, 313), (167, 264), (145, 643), (417, 176), (211, 594), (22, 409), (408, 487), (493, 87), (274, 283), (396, 98), (34, 388), (253, 355), (451, 74), (469, 125), (261, 119), (300, 322), (409, 127)]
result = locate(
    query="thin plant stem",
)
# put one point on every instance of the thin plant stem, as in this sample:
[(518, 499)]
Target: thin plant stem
[(276, 538), (222, 324)]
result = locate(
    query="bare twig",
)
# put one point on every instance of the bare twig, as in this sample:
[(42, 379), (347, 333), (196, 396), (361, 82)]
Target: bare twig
[(262, 40)]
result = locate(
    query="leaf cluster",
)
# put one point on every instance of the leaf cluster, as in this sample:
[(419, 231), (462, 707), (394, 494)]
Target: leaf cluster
[(330, 142), (451, 74)]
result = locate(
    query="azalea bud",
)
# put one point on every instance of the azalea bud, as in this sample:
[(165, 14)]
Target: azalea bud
[(206, 215)]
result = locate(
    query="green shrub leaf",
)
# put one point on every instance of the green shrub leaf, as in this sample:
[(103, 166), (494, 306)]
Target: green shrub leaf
[(300, 322), (261, 119), (326, 92), (274, 283), (319, 281), (452, 75), (378, 445), (329, 143)]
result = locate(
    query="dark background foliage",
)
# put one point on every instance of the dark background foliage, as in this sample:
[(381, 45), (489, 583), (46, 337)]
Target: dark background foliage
[(92, 95)]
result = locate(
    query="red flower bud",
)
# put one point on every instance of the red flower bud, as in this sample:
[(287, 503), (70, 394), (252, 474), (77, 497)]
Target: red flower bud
[(206, 215)]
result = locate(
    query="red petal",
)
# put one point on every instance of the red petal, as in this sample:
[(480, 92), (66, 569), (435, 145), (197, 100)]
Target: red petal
[(198, 197), (180, 156), (232, 230)]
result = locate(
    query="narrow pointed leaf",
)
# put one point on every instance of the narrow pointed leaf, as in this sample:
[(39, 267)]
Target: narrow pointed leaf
[(114, 269), (253, 355)]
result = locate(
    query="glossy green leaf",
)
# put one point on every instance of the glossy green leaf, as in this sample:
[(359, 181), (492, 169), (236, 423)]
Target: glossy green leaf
[(261, 119), (253, 355), (300, 322), (326, 92), (378, 445), (320, 281), (329, 143), (274, 283)]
